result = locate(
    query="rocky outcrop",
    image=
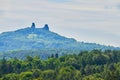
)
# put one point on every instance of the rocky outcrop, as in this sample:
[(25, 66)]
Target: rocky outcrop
[(33, 25), (46, 27)]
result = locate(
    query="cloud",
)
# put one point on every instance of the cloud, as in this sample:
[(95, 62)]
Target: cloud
[(66, 17), (60, 1)]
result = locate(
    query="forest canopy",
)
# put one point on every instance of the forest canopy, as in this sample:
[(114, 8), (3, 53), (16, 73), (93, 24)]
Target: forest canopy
[(87, 65)]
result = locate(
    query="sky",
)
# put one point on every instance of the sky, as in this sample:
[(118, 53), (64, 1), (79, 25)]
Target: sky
[(95, 21)]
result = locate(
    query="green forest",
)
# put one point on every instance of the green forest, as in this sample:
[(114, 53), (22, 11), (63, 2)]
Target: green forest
[(87, 65)]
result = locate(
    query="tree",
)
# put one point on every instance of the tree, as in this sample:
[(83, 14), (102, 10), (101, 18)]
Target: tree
[(11, 76), (66, 73), (26, 76), (48, 75), (56, 55)]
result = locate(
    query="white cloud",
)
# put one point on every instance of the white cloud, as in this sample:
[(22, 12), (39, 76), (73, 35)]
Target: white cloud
[(66, 17)]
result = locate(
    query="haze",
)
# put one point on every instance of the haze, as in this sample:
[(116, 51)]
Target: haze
[(96, 21)]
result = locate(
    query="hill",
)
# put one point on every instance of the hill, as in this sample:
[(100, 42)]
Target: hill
[(42, 40)]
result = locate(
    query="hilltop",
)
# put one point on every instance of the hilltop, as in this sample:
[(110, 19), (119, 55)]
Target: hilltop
[(43, 41)]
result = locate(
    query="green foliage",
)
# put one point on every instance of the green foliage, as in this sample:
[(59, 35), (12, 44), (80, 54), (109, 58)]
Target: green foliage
[(11, 76), (93, 65), (48, 75), (26, 76)]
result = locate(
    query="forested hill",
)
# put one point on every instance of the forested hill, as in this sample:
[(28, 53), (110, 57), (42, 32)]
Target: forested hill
[(41, 41), (92, 65), (32, 38)]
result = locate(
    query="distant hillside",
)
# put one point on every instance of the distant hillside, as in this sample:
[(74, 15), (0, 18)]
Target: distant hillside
[(32, 38)]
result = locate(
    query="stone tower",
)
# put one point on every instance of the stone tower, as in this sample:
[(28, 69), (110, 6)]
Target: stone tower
[(46, 27), (33, 25)]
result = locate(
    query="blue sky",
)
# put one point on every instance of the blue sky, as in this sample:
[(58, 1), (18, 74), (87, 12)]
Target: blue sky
[(85, 20)]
